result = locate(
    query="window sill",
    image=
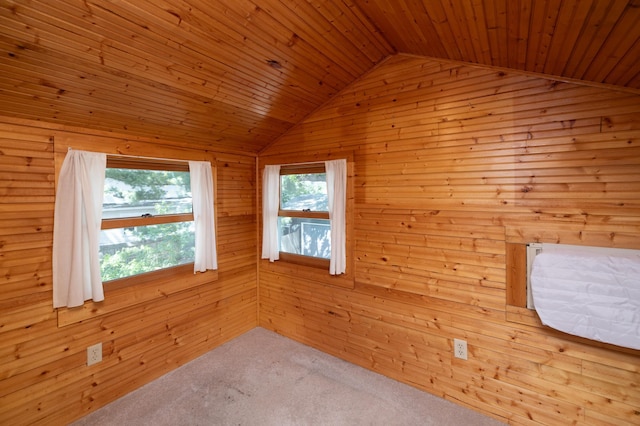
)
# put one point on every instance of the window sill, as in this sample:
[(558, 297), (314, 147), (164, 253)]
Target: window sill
[(131, 291), (313, 262)]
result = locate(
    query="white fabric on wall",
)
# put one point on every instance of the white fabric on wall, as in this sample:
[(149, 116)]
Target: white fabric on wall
[(270, 207), (589, 293), (336, 172), (203, 216), (76, 229)]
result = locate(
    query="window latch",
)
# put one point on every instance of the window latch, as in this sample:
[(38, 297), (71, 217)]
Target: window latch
[(306, 210), (147, 215)]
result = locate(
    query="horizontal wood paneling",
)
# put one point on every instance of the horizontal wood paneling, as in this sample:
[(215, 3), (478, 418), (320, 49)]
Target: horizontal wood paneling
[(181, 70), (43, 374), (581, 39), (199, 71), (451, 163)]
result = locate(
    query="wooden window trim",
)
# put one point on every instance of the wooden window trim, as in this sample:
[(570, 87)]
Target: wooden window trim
[(516, 268), (314, 262), (303, 215), (141, 163), (127, 222), (301, 169)]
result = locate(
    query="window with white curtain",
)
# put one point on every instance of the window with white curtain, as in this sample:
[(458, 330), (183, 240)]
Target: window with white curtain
[(117, 217), (304, 207)]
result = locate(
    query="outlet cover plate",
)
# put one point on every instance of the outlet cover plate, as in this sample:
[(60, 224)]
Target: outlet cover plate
[(94, 354), (460, 348)]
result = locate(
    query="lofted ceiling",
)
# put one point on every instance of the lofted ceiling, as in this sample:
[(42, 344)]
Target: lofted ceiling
[(234, 75)]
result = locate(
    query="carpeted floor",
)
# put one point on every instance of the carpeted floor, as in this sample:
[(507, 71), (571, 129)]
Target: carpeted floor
[(262, 378)]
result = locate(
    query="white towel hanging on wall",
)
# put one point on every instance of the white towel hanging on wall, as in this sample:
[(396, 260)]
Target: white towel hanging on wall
[(589, 292)]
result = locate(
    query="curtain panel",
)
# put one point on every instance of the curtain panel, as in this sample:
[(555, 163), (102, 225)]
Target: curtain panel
[(336, 173), (76, 229), (203, 216), (270, 207)]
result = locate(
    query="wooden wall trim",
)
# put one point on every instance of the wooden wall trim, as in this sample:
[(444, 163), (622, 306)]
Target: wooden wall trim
[(516, 265)]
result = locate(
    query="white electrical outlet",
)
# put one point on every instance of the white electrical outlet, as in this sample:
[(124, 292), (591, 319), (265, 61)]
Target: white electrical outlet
[(94, 354), (460, 348)]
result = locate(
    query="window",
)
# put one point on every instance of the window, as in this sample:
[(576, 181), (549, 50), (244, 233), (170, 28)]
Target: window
[(304, 228), (147, 217), (148, 211), (304, 214)]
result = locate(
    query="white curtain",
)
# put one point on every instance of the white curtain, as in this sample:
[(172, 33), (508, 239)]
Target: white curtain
[(76, 229), (270, 207), (590, 292), (336, 172), (203, 216)]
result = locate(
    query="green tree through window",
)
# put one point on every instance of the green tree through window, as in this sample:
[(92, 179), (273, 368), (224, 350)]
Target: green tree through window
[(139, 199)]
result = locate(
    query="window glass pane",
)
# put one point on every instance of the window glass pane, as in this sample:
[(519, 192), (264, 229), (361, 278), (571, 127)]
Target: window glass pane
[(304, 192), (307, 237), (130, 251), (134, 192)]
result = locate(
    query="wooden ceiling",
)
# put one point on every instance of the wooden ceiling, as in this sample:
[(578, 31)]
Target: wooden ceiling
[(234, 75)]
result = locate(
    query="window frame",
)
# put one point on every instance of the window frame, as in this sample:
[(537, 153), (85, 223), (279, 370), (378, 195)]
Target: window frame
[(140, 163), (301, 169)]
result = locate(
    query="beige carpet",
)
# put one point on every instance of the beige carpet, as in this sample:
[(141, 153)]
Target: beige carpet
[(262, 378)]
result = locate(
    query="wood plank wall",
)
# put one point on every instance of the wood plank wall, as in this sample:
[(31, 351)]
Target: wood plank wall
[(43, 376), (452, 163)]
